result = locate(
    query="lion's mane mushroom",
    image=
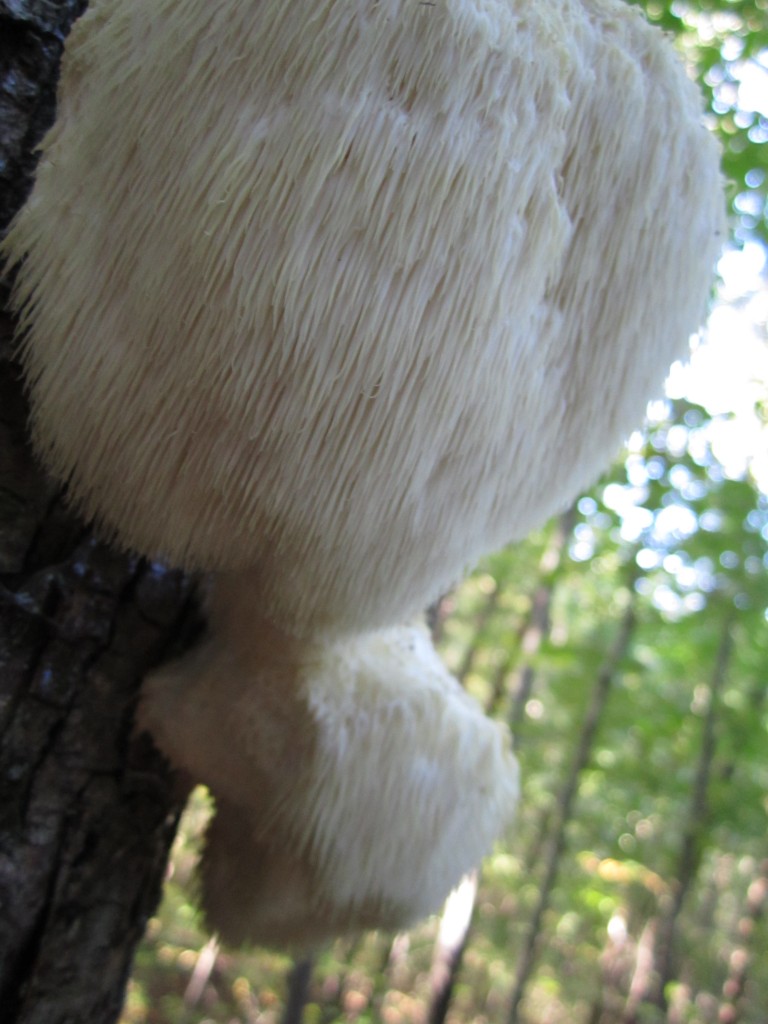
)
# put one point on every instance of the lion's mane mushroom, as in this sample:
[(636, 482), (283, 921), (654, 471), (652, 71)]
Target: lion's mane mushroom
[(353, 790), (331, 299)]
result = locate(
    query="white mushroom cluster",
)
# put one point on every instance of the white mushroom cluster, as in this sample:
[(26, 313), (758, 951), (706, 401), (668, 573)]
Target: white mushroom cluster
[(329, 299), (353, 788)]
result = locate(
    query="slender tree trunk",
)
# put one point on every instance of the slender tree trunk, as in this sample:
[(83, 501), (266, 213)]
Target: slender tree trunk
[(606, 678), (449, 947), (616, 962), (536, 629), (541, 829), (691, 846), (482, 618), (643, 971), (298, 982), (87, 811)]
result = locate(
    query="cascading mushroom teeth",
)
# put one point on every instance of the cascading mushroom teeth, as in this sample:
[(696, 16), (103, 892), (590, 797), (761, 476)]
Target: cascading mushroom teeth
[(330, 299)]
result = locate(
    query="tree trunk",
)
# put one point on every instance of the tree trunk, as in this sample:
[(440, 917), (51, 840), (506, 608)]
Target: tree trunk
[(449, 947), (694, 834), (87, 810), (299, 980), (565, 803), (536, 629)]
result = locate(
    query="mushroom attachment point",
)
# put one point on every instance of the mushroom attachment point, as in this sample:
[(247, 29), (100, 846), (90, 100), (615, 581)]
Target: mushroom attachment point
[(328, 301)]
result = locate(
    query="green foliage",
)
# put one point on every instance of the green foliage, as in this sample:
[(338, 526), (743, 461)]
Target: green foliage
[(726, 44)]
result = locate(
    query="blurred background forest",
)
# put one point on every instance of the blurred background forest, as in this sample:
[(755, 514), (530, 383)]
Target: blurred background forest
[(626, 644)]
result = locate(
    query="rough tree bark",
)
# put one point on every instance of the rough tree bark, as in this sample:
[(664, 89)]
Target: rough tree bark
[(87, 810)]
